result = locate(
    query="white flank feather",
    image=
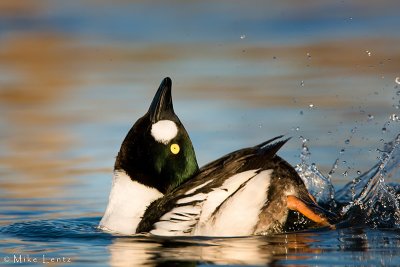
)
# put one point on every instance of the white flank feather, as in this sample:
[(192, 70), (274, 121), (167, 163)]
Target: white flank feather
[(187, 219), (218, 195), (197, 197), (164, 131), (191, 191), (171, 224), (126, 205), (238, 215)]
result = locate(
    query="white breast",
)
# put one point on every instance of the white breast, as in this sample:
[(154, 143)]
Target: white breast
[(126, 205)]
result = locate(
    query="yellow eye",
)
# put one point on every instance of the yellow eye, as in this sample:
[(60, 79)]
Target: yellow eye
[(175, 148)]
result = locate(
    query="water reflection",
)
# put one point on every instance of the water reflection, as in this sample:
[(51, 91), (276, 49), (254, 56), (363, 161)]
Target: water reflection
[(220, 251), (35, 135), (44, 72), (361, 245), (52, 67), (75, 75), (303, 248)]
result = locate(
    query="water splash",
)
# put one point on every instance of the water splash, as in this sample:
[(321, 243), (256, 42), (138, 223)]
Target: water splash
[(368, 199), (317, 184), (333, 169)]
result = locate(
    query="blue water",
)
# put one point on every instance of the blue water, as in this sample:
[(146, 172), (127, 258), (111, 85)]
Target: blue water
[(368, 234), (75, 75)]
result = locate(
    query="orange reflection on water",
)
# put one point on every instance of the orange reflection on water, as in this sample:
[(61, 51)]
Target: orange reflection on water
[(36, 136), (45, 69), (42, 70)]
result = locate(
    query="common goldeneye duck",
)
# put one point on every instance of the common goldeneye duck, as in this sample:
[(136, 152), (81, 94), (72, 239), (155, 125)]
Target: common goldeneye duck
[(158, 188), (155, 156)]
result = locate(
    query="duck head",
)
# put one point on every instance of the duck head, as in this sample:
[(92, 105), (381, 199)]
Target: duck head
[(157, 152)]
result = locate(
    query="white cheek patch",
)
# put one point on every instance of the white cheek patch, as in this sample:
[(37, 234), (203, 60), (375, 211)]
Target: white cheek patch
[(164, 131)]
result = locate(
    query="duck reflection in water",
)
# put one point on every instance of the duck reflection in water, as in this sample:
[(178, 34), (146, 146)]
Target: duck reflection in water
[(180, 251)]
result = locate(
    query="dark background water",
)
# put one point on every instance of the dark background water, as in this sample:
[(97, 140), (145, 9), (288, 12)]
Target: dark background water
[(75, 75)]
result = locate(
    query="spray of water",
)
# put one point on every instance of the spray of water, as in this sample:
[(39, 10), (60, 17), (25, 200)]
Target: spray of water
[(368, 199), (318, 185)]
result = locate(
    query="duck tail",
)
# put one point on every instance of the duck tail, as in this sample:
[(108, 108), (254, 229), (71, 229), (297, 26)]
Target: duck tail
[(273, 145)]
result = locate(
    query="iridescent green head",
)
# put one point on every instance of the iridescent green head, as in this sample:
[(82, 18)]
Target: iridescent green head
[(157, 151)]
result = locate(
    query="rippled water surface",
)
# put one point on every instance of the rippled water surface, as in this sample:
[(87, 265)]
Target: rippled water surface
[(75, 75)]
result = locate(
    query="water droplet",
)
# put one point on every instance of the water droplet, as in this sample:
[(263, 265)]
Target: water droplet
[(303, 140), (311, 106), (342, 151), (297, 128), (344, 162), (302, 83), (347, 141), (243, 36), (384, 130), (358, 172), (394, 117), (397, 80), (308, 55), (345, 173), (334, 167), (370, 117), (368, 53), (305, 152)]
